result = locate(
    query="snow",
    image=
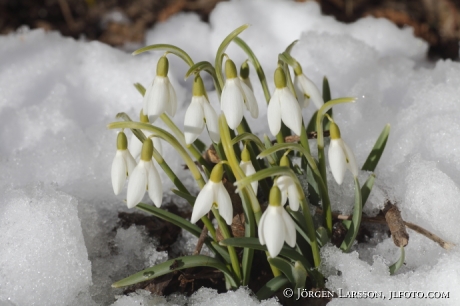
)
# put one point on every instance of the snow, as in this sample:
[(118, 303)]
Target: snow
[(58, 214)]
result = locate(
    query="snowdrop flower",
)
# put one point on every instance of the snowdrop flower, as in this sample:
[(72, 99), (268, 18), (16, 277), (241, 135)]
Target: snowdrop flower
[(122, 165), (145, 177), (160, 97), (340, 156), (213, 193), (276, 226), (244, 75), (288, 187), (248, 168), (306, 90), (135, 145), (199, 113), (235, 96), (283, 106)]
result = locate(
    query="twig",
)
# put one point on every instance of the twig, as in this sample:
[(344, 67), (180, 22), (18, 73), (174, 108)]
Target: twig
[(65, 9), (381, 220)]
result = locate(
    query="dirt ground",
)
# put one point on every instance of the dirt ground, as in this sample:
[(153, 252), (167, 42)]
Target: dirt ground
[(117, 22)]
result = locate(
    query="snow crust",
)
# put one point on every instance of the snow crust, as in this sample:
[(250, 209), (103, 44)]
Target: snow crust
[(58, 211)]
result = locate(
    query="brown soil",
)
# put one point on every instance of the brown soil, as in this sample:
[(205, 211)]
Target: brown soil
[(436, 21)]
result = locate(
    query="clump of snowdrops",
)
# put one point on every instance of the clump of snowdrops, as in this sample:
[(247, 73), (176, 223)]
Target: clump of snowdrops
[(284, 227)]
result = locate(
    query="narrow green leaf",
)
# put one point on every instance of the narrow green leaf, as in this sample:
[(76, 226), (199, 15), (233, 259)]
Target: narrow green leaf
[(311, 127), (255, 62), (326, 90), (394, 267), (356, 220), (322, 236), (286, 251), (186, 196), (367, 187), (170, 217), (174, 265), (271, 287), (327, 97), (221, 50), (285, 267), (169, 48), (373, 159)]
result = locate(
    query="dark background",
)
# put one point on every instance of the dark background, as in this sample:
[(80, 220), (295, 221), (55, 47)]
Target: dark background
[(436, 21)]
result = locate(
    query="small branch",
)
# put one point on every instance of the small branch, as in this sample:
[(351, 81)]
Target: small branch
[(65, 9), (381, 220), (199, 244)]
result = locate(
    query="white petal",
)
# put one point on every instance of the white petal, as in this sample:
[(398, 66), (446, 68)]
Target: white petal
[(337, 160), (135, 146), (304, 101), (352, 166), (203, 202), (159, 97), (283, 182), (172, 101), (291, 114), (137, 185), (147, 101), (232, 103), (289, 228), (157, 144), (212, 123), (274, 114), (129, 160), (119, 171), (274, 230), (251, 102), (293, 195), (249, 169), (261, 227), (193, 121), (155, 187), (224, 202), (311, 90)]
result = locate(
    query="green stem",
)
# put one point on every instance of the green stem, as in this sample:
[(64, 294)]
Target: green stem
[(231, 250)]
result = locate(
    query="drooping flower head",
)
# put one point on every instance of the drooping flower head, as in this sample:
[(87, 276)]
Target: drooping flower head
[(199, 114), (213, 193), (341, 157), (283, 107), (244, 74), (160, 97), (276, 226), (145, 177), (306, 90), (236, 96), (123, 164), (135, 145), (288, 187), (248, 168)]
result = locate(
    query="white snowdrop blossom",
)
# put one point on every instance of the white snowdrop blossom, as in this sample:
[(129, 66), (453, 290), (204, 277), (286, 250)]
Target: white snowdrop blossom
[(145, 177), (276, 226), (283, 106), (341, 157), (135, 145), (213, 193), (199, 113), (122, 165), (288, 191), (306, 90), (236, 95), (160, 97), (248, 168)]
